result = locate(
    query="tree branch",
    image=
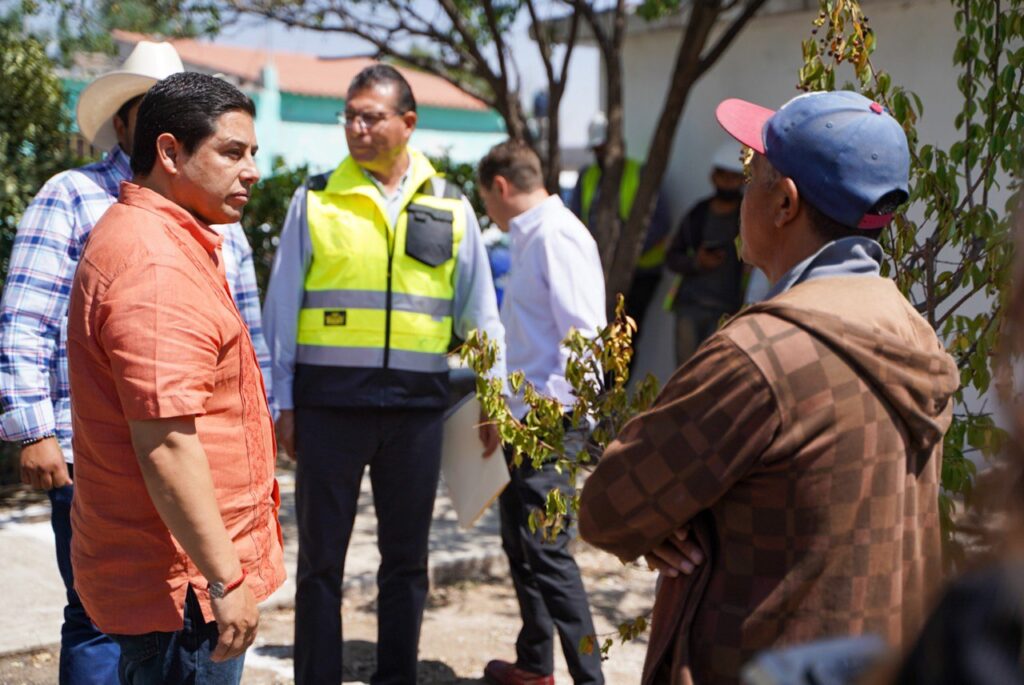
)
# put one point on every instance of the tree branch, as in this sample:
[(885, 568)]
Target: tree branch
[(726, 39)]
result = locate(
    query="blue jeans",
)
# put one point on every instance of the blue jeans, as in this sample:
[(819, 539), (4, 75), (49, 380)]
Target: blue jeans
[(87, 656), (179, 658)]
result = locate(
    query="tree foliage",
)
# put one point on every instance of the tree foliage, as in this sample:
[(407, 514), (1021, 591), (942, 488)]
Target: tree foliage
[(86, 25), (950, 250)]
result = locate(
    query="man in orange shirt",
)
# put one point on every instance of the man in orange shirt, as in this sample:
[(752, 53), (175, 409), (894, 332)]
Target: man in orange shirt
[(175, 513)]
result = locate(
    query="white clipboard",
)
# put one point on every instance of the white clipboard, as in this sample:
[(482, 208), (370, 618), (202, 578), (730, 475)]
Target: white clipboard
[(473, 481)]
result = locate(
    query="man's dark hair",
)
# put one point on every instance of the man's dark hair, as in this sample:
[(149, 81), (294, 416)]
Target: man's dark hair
[(512, 160), (829, 229), (186, 105), (123, 110), (384, 75)]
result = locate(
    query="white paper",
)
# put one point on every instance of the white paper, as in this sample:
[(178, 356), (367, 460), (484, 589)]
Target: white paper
[(473, 481)]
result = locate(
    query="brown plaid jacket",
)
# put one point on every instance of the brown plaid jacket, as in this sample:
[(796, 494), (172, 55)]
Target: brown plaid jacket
[(802, 444)]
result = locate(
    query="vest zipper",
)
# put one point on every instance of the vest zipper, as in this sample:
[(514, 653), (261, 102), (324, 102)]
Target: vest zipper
[(387, 313)]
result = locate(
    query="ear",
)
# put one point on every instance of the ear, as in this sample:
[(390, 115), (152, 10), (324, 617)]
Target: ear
[(120, 128), (503, 187), (410, 120), (168, 153), (788, 202)]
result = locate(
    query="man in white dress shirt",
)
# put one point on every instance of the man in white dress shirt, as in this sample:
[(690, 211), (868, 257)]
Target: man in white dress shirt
[(555, 284)]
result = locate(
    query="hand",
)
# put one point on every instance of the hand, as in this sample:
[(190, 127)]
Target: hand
[(237, 620), (43, 466), (675, 555), (488, 435), (285, 429), (710, 259)]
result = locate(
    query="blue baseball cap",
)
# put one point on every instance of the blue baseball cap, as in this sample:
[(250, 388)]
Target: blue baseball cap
[(843, 151)]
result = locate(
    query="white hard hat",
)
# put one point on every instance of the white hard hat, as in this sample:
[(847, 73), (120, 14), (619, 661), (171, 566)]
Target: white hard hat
[(100, 100), (727, 158), (597, 131)]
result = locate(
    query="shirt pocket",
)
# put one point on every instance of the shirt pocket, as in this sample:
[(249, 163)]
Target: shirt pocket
[(428, 234)]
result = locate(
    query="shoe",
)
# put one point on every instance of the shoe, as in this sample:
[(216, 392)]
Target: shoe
[(503, 673)]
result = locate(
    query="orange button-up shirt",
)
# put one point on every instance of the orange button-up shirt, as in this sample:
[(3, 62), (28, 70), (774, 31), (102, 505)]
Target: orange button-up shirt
[(153, 333)]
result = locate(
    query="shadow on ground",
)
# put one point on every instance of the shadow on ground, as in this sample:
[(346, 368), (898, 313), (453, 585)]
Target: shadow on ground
[(360, 659)]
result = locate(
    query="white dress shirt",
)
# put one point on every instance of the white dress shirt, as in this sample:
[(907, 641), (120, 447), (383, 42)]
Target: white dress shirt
[(555, 283)]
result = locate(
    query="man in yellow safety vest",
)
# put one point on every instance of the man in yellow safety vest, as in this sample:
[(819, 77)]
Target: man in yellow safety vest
[(380, 262)]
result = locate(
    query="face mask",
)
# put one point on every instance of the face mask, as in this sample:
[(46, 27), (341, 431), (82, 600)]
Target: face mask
[(728, 195)]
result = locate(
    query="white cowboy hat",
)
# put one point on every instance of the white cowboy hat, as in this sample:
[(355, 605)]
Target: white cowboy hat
[(100, 100)]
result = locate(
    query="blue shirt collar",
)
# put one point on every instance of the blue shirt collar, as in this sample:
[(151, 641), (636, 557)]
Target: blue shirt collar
[(845, 257), (120, 162)]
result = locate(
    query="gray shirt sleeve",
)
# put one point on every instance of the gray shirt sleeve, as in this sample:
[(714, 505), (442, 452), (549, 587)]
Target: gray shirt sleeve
[(476, 303), (284, 297)]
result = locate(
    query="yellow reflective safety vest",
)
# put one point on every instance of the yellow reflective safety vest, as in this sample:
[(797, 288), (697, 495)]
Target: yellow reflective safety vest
[(627, 188), (654, 256), (376, 318)]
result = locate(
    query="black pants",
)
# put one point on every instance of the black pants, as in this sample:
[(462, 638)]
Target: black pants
[(546, 578), (403, 450)]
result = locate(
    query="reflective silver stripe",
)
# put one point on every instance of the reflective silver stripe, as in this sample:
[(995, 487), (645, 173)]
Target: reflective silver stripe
[(427, 362), (371, 358), (375, 299), (422, 304), (321, 355), (342, 299)]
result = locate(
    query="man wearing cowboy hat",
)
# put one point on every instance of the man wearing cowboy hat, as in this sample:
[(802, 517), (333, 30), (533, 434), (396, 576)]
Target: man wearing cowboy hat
[(34, 387)]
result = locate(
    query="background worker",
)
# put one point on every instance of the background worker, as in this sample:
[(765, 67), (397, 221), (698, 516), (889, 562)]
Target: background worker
[(703, 253), (380, 264), (35, 395)]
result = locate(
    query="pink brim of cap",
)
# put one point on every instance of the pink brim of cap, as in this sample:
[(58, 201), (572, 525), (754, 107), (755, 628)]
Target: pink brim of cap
[(744, 121), (872, 221)]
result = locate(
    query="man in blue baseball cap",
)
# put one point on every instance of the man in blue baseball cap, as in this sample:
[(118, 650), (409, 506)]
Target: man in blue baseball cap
[(785, 483)]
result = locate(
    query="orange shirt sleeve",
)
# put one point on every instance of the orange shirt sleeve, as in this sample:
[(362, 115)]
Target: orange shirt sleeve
[(161, 338)]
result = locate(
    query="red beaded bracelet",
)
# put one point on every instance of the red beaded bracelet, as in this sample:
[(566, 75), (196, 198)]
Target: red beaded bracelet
[(218, 590)]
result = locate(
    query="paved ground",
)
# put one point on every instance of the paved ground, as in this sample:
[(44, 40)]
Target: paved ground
[(472, 615)]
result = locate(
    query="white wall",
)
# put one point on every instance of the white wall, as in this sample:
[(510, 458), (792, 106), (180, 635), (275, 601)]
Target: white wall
[(916, 39), (915, 44)]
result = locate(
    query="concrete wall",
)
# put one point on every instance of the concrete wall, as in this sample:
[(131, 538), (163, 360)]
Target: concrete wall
[(915, 44)]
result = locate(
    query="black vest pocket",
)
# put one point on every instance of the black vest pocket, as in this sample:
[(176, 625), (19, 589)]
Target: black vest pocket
[(428, 234)]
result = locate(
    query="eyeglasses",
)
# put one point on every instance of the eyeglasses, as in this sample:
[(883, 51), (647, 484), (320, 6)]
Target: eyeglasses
[(366, 120), (747, 159)]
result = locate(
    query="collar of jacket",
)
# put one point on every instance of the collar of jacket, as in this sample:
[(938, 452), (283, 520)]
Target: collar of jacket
[(348, 178)]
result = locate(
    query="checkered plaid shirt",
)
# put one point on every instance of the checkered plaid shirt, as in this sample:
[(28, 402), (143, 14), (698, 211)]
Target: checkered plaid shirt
[(34, 388), (803, 444)]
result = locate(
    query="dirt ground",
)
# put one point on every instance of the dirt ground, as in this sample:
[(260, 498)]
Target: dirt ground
[(465, 625)]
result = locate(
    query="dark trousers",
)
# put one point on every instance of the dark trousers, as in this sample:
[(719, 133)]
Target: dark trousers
[(403, 451), (87, 656), (178, 658), (546, 578)]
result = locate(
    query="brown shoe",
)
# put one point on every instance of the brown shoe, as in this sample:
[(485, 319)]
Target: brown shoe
[(503, 673)]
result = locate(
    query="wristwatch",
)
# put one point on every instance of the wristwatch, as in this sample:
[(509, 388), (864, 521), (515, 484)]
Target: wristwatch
[(219, 590)]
